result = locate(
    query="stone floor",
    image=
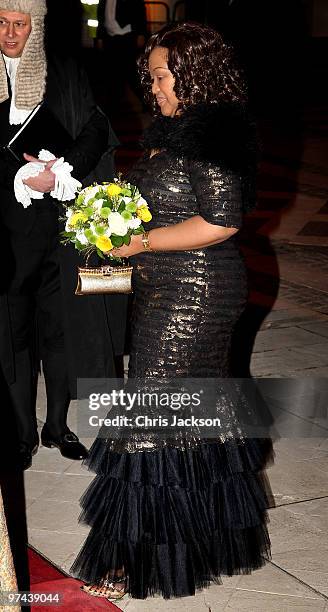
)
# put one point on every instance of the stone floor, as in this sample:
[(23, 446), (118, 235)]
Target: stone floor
[(288, 261)]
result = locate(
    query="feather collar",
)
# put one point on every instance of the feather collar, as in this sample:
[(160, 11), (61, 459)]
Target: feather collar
[(217, 133)]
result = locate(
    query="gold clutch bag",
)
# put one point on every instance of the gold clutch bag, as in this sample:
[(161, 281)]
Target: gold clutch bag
[(105, 279)]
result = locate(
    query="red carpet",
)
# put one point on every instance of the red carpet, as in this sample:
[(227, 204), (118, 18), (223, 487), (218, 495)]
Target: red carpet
[(45, 578)]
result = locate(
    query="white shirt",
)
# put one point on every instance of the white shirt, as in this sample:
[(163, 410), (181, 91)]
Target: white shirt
[(113, 28), (16, 116)]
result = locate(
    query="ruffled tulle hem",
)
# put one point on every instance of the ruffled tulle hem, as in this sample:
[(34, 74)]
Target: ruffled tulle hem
[(128, 511), (175, 569), (175, 520), (204, 462)]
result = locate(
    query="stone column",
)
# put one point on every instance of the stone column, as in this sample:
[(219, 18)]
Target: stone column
[(7, 571)]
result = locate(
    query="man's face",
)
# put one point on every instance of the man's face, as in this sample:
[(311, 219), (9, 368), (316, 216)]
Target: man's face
[(15, 29)]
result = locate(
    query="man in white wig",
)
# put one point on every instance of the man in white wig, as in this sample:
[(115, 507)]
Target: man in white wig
[(72, 336)]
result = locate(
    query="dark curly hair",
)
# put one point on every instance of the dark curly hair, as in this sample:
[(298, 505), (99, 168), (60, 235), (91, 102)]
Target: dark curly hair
[(201, 63)]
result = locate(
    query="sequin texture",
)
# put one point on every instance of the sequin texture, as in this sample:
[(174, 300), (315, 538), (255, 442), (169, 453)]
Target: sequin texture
[(187, 302)]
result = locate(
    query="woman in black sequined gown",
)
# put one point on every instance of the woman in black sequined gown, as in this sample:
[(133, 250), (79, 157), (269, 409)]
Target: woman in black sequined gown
[(175, 514)]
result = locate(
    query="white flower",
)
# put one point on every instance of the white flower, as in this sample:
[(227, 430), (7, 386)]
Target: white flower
[(81, 237), (90, 192), (134, 223), (69, 214), (141, 202), (97, 205), (116, 224)]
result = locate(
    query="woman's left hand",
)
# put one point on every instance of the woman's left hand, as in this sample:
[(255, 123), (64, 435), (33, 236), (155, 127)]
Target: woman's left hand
[(133, 248)]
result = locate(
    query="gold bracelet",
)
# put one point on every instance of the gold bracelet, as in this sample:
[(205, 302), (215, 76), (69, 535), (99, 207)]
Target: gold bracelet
[(145, 241)]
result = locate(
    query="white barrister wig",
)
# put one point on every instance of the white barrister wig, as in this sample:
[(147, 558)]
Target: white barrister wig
[(32, 69), (35, 8)]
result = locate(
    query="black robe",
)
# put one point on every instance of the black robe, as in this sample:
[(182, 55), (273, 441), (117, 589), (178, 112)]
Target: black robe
[(94, 326)]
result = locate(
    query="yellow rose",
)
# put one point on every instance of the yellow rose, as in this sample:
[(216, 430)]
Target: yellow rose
[(113, 190), (76, 217), (104, 244), (144, 214)]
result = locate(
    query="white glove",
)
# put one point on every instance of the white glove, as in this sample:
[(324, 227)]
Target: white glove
[(66, 185), (23, 193)]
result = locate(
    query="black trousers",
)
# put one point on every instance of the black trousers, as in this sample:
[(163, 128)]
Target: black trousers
[(35, 311)]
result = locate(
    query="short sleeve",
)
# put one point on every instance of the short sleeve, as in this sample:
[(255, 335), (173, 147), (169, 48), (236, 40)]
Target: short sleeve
[(218, 192)]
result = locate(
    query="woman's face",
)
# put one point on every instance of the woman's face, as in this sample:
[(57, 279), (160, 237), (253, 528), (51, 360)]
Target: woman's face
[(162, 82)]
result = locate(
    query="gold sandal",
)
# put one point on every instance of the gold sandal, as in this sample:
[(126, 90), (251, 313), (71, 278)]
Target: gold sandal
[(116, 593), (106, 589)]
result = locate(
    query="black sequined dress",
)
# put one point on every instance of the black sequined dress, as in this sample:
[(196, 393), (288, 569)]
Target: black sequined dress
[(178, 513)]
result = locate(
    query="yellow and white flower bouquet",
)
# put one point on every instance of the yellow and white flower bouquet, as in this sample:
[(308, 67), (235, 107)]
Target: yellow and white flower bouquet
[(105, 216)]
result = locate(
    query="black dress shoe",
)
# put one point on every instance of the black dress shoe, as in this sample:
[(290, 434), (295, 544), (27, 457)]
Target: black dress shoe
[(25, 455), (68, 444)]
